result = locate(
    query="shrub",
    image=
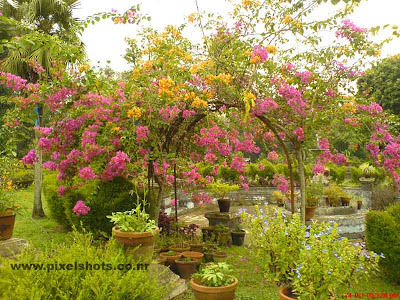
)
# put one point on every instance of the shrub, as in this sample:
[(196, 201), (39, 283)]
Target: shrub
[(103, 198), (228, 174), (382, 197), (356, 174), (205, 169), (383, 236), (106, 283), (284, 170), (269, 170), (54, 201), (338, 173)]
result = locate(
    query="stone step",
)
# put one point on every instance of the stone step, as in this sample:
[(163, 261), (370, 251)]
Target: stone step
[(167, 278), (11, 247)]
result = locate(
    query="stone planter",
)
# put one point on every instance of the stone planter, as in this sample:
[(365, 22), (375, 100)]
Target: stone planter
[(238, 237), (219, 256), (227, 219), (310, 212), (224, 205)]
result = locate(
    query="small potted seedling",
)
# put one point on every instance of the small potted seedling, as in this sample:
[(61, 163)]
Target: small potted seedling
[(186, 266), (238, 235), (171, 258)]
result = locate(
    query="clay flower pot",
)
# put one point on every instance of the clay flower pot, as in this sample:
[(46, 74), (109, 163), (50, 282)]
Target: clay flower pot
[(7, 221), (310, 212), (224, 205), (286, 293), (195, 255), (345, 201), (238, 237), (186, 268), (359, 204), (144, 240), (196, 247), (179, 249), (202, 292), (171, 260), (219, 256)]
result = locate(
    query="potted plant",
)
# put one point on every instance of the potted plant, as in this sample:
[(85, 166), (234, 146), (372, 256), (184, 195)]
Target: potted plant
[(193, 254), (333, 192), (162, 243), (313, 196), (196, 244), (136, 231), (358, 200), (208, 251), (186, 266), (238, 235), (219, 255), (221, 190), (8, 209), (161, 260), (171, 257), (367, 170), (345, 199), (208, 234), (222, 232), (214, 282), (279, 198)]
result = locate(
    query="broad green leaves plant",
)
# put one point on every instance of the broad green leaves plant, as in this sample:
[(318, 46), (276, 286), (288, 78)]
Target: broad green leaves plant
[(215, 275), (135, 220)]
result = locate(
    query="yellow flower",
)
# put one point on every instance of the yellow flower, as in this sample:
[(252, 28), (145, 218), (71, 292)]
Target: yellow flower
[(255, 59), (249, 101), (286, 19), (134, 112), (378, 53), (116, 129), (192, 17), (198, 103), (9, 187), (117, 20), (18, 205), (9, 182), (136, 73), (271, 49)]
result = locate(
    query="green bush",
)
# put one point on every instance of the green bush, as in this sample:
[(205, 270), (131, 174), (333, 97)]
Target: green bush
[(103, 198), (383, 236), (54, 202), (228, 174), (338, 173), (205, 169), (383, 196), (269, 170), (284, 170), (107, 283), (356, 174)]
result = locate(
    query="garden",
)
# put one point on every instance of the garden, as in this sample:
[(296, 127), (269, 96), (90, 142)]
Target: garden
[(259, 163)]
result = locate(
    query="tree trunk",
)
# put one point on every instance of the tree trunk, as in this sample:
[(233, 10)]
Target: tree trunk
[(38, 212), (299, 155), (160, 198)]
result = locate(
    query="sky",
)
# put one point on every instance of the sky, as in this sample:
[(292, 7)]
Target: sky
[(105, 40)]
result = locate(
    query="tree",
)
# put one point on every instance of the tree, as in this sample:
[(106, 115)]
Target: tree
[(381, 83)]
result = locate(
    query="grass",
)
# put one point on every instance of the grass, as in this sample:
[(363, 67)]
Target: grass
[(41, 233)]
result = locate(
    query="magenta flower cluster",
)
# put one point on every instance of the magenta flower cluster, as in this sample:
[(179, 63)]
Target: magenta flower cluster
[(87, 173), (264, 106), (30, 158), (116, 167), (281, 183), (349, 30), (261, 52), (80, 208)]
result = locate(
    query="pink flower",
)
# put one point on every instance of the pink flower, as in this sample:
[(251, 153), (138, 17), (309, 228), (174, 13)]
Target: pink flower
[(272, 155), (281, 183), (319, 169), (300, 133), (340, 159), (50, 165), (238, 164), (261, 53), (80, 208), (30, 158), (323, 144), (245, 186), (141, 133), (87, 173), (173, 203), (62, 190)]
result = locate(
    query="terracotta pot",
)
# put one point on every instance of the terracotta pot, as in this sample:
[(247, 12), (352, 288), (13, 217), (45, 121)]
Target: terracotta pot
[(131, 240), (286, 293), (219, 256), (171, 260), (310, 211), (333, 201), (223, 238), (157, 250), (179, 249), (224, 205), (202, 292), (238, 237), (186, 268), (345, 201), (195, 255), (196, 247), (359, 204), (208, 257), (161, 260), (7, 221)]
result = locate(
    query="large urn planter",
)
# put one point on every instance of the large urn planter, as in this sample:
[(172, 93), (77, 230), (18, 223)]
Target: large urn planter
[(224, 205), (345, 201), (171, 258), (238, 237), (310, 212), (202, 292), (186, 267), (219, 256), (7, 221), (286, 293), (139, 244)]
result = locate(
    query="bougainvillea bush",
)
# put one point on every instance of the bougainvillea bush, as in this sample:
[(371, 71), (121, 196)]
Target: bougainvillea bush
[(185, 103)]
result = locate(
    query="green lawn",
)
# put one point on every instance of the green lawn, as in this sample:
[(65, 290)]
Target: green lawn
[(39, 232), (252, 286)]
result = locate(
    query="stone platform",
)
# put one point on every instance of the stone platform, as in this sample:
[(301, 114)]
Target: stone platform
[(11, 247), (167, 278)]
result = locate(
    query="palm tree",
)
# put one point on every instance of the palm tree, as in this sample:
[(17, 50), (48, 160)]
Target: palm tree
[(54, 27)]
